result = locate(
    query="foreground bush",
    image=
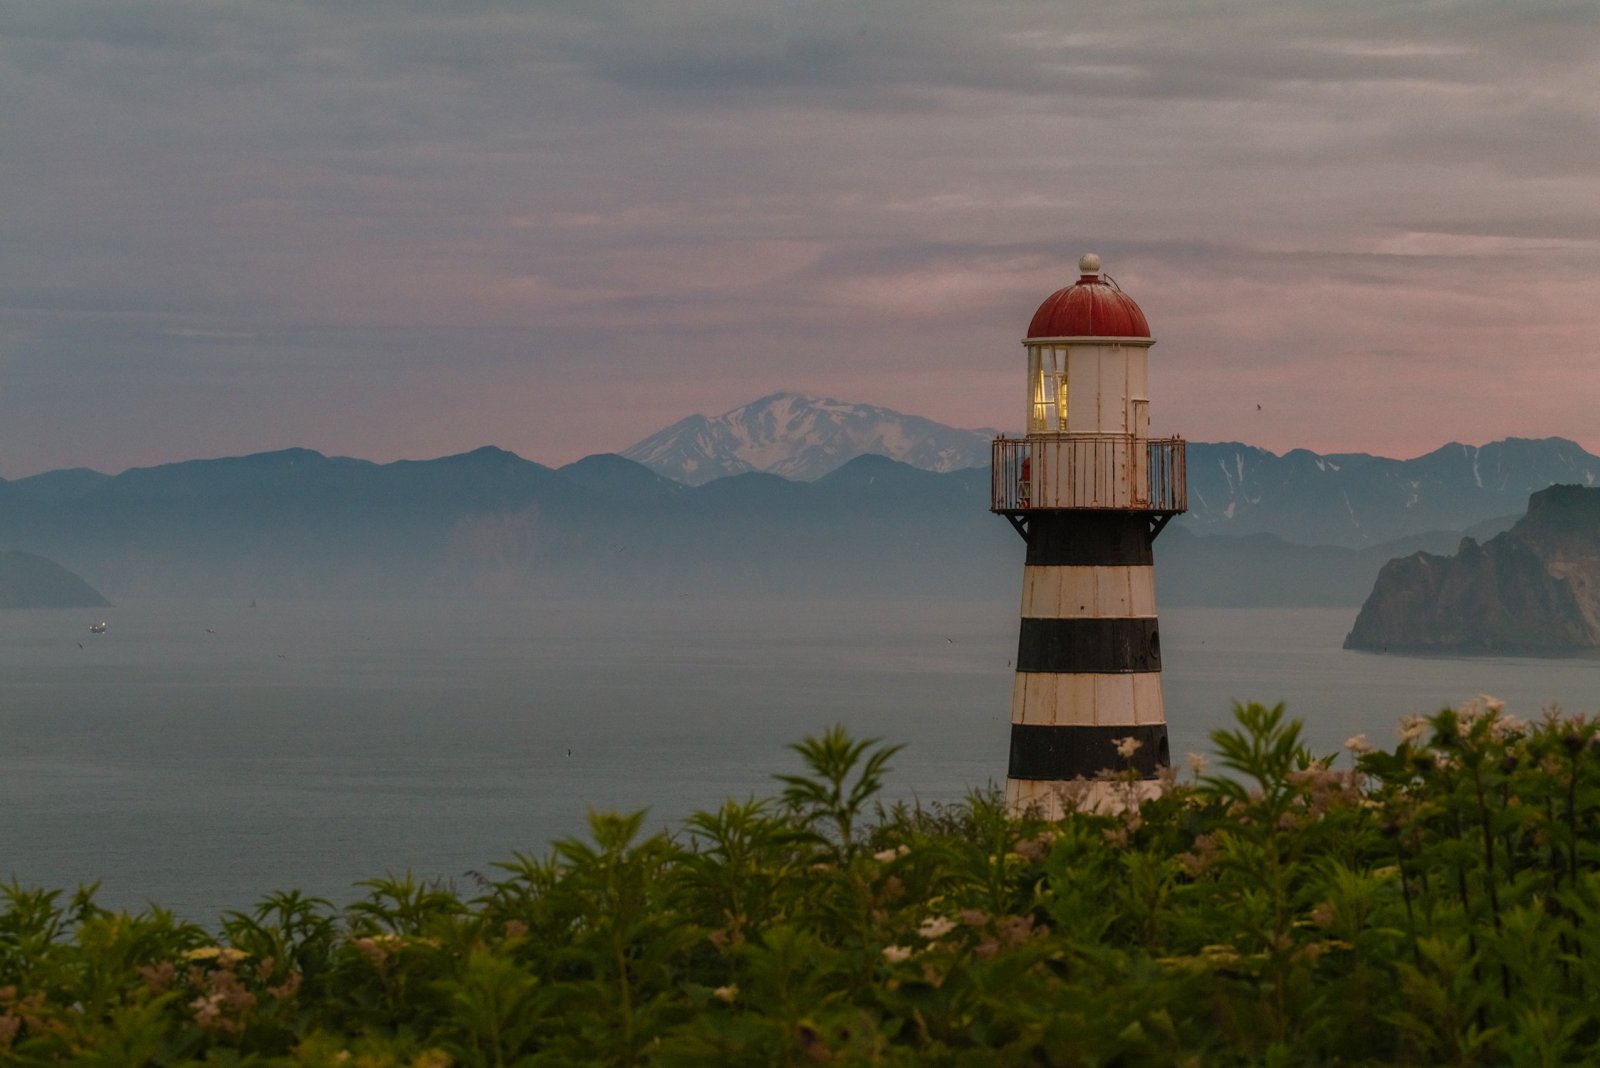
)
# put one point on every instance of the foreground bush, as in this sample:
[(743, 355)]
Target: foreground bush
[(1437, 904)]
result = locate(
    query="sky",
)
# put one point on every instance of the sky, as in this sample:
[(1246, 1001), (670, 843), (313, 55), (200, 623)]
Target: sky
[(408, 228)]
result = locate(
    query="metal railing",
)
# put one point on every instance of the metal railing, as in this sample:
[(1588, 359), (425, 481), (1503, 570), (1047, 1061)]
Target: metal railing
[(1088, 471)]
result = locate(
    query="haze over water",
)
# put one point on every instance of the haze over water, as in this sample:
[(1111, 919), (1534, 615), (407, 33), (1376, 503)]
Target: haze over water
[(199, 755)]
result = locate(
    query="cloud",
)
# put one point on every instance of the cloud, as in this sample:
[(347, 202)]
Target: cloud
[(256, 209), (1423, 243)]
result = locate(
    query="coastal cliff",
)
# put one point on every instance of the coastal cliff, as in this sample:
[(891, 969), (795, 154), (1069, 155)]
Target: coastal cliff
[(1533, 590), (29, 581)]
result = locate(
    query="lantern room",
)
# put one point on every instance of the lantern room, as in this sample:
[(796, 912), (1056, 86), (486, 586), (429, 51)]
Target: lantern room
[(1087, 359), (1087, 442)]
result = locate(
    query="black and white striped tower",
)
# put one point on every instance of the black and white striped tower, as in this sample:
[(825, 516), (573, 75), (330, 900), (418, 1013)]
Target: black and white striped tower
[(1088, 489)]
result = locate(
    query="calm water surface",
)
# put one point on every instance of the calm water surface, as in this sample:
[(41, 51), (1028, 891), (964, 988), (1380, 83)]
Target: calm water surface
[(198, 755)]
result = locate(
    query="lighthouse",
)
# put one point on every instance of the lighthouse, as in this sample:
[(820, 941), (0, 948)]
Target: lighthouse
[(1088, 489)]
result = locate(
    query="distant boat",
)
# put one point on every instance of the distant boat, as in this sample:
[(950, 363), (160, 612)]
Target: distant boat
[(97, 628)]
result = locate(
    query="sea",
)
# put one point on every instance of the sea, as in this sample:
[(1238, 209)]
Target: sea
[(197, 755)]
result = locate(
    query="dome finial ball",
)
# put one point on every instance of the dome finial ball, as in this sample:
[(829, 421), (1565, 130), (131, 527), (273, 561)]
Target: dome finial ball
[(1089, 263)]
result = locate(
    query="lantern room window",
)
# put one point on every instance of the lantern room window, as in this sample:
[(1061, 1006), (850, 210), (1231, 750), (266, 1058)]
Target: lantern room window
[(1047, 389)]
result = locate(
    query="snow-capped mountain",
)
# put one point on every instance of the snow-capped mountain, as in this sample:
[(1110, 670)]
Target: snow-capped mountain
[(803, 437)]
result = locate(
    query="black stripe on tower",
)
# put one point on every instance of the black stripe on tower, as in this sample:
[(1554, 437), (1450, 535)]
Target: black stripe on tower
[(1061, 753), (1089, 646), (1089, 539)]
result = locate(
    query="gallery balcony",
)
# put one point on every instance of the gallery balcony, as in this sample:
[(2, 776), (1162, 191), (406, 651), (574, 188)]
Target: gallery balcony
[(1088, 471)]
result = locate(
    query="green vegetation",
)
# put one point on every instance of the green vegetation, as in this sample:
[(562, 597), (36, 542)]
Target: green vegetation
[(1438, 903)]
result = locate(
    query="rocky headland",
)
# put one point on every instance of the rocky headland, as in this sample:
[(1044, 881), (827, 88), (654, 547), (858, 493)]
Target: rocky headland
[(29, 581), (1533, 590)]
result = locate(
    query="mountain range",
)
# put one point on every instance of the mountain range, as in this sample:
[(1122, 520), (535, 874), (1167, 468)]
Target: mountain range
[(296, 522), (1356, 500), (804, 437), (1263, 529), (1351, 499)]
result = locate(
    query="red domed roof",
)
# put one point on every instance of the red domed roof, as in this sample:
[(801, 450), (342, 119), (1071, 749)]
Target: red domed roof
[(1092, 307)]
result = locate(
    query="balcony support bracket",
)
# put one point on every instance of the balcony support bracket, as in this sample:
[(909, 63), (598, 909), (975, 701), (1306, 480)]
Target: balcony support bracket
[(1158, 523)]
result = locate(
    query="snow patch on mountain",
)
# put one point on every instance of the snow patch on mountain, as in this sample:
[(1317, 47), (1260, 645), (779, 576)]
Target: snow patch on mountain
[(1357, 499), (803, 437)]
